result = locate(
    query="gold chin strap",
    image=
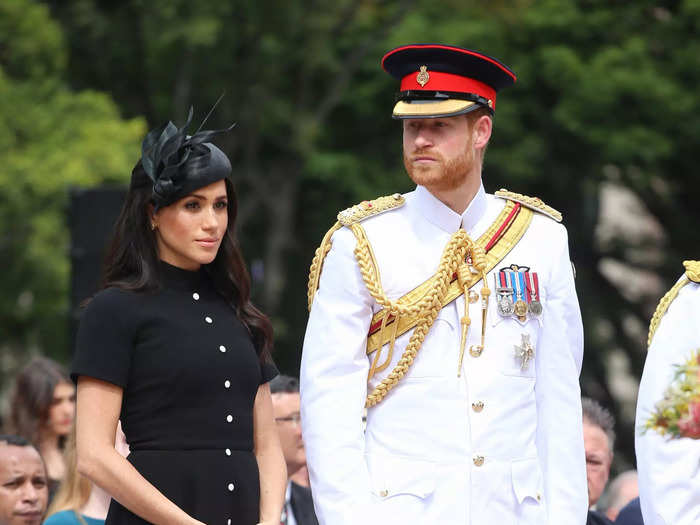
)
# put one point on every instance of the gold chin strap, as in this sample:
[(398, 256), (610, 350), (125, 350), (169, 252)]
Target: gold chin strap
[(459, 249)]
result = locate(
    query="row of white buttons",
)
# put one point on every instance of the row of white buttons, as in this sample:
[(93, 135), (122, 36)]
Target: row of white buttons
[(227, 384)]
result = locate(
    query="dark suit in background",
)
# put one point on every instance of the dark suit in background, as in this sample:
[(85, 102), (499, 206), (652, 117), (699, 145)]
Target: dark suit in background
[(596, 518), (302, 505), (631, 514)]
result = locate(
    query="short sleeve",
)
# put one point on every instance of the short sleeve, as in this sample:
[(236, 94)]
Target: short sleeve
[(268, 371), (105, 337)]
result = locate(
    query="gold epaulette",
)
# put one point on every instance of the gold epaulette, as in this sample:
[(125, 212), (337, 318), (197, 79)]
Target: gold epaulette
[(692, 270), (534, 203), (365, 209), (692, 274), (348, 217)]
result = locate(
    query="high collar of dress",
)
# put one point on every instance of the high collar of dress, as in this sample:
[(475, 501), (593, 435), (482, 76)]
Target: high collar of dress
[(442, 216), (175, 277)]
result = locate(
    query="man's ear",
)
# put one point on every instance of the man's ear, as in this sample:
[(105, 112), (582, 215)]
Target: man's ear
[(481, 131)]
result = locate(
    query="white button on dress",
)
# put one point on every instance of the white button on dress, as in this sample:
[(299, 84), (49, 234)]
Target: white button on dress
[(227, 384), (222, 348), (229, 418), (230, 487), (228, 451), (195, 296), (208, 319)]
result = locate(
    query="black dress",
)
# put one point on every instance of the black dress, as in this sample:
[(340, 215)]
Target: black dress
[(190, 374)]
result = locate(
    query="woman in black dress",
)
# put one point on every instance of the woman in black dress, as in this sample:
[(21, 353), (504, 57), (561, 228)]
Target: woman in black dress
[(174, 348)]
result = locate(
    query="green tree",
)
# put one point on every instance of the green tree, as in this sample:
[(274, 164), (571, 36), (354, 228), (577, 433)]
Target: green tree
[(606, 97), (51, 138)]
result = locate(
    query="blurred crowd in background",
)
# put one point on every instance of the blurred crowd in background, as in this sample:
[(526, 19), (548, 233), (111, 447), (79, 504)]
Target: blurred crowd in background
[(39, 480)]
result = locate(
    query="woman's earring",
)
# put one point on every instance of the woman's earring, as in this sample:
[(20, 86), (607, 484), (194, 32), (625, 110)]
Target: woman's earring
[(153, 226)]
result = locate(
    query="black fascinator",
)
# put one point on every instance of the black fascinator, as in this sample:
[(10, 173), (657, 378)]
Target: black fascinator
[(178, 163)]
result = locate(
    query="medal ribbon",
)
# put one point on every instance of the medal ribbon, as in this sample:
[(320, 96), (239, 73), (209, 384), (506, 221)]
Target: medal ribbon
[(522, 288), (533, 286), (513, 284)]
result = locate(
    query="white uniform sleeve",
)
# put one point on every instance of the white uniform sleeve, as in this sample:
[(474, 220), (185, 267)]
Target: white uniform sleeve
[(559, 419), (334, 372), (669, 470)]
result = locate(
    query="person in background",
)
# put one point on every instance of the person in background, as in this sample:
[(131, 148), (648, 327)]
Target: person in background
[(298, 507), (598, 440), (78, 501), (621, 490), (669, 473), (42, 409), (24, 491)]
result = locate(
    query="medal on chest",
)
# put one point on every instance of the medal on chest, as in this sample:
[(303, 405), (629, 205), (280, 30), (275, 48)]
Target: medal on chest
[(518, 293), (524, 352)]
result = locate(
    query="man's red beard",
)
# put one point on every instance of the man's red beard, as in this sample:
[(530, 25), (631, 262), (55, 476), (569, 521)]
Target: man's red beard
[(441, 175)]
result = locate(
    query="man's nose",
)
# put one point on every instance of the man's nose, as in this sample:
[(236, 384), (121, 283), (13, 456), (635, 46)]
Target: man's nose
[(422, 139), (30, 493)]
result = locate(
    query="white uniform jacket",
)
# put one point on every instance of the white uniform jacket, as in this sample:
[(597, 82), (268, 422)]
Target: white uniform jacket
[(669, 469), (429, 453)]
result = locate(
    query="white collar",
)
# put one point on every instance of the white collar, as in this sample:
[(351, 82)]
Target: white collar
[(444, 217)]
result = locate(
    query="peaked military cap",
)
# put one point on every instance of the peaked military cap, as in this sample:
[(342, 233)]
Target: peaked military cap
[(444, 81)]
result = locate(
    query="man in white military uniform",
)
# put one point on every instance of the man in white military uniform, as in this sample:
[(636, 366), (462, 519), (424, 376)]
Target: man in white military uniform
[(669, 469), (473, 406)]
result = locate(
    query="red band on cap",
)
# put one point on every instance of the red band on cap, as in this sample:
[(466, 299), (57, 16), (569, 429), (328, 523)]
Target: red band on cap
[(439, 81)]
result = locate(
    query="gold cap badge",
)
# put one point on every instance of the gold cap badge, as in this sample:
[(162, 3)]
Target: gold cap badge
[(423, 76)]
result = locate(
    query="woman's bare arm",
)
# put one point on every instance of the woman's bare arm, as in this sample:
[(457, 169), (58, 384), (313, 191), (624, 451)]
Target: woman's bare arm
[(98, 407), (268, 452)]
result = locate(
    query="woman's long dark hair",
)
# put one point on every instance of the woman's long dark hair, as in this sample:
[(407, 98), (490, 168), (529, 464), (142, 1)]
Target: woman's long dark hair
[(132, 261), (32, 397)]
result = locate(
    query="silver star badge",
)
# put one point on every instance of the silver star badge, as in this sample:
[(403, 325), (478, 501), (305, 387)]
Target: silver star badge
[(525, 352)]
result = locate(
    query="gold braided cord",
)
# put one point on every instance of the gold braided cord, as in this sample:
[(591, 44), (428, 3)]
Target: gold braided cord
[(317, 263), (509, 239), (692, 270), (692, 274), (661, 309), (463, 276), (479, 256), (370, 274), (428, 306), (392, 343)]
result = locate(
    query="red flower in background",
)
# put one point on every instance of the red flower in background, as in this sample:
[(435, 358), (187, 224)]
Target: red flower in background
[(689, 426)]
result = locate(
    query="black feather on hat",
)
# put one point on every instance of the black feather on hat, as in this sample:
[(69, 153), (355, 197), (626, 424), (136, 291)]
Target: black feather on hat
[(178, 163)]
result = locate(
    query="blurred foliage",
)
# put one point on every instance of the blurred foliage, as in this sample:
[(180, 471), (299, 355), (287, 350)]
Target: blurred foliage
[(50, 138), (605, 97)]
